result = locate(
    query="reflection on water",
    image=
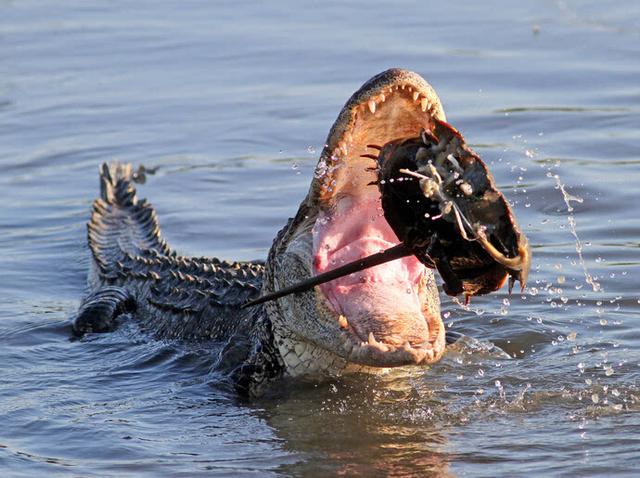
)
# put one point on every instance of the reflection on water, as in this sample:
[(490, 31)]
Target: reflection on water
[(230, 104)]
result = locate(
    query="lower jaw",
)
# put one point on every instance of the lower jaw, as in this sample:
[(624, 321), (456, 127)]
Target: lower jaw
[(394, 315), (306, 359)]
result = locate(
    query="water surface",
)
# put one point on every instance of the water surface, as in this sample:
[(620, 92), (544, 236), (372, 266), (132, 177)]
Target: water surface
[(232, 103)]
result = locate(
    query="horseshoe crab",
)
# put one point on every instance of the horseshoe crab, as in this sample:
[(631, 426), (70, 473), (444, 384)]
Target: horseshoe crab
[(442, 202)]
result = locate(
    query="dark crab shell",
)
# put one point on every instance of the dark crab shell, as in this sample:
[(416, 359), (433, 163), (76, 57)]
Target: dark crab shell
[(441, 200)]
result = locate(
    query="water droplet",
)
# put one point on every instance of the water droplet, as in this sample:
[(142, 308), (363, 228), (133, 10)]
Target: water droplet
[(480, 372), (595, 398), (603, 322), (561, 279), (571, 336)]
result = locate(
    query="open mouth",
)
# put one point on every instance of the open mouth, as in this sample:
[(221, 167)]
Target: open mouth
[(390, 312)]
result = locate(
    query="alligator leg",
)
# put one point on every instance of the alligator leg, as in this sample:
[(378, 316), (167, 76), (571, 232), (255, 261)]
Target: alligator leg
[(100, 309)]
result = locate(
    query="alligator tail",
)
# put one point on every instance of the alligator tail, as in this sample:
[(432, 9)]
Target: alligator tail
[(121, 225), (116, 184)]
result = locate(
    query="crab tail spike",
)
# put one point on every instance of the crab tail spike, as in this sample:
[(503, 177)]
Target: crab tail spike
[(512, 281)]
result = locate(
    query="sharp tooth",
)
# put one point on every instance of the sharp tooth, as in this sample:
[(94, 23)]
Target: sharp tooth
[(424, 104), (402, 87), (342, 321), (349, 138), (379, 345), (416, 94), (343, 147), (372, 106), (382, 98), (336, 153), (407, 346)]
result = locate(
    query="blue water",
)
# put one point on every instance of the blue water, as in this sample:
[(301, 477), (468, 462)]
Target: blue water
[(232, 102)]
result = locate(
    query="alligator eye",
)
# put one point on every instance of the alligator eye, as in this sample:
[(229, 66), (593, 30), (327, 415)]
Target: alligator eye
[(442, 202)]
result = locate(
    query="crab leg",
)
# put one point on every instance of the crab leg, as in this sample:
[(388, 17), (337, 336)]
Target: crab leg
[(431, 187)]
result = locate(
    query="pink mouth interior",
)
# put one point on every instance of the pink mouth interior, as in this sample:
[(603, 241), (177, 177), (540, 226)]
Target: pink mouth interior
[(356, 228)]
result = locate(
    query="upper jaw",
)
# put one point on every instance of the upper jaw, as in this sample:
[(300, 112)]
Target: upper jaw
[(393, 104)]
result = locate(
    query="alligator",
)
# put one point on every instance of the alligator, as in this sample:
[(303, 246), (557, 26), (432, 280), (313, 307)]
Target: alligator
[(381, 317)]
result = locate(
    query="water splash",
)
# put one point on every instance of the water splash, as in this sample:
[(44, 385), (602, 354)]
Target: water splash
[(467, 307), (571, 220)]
